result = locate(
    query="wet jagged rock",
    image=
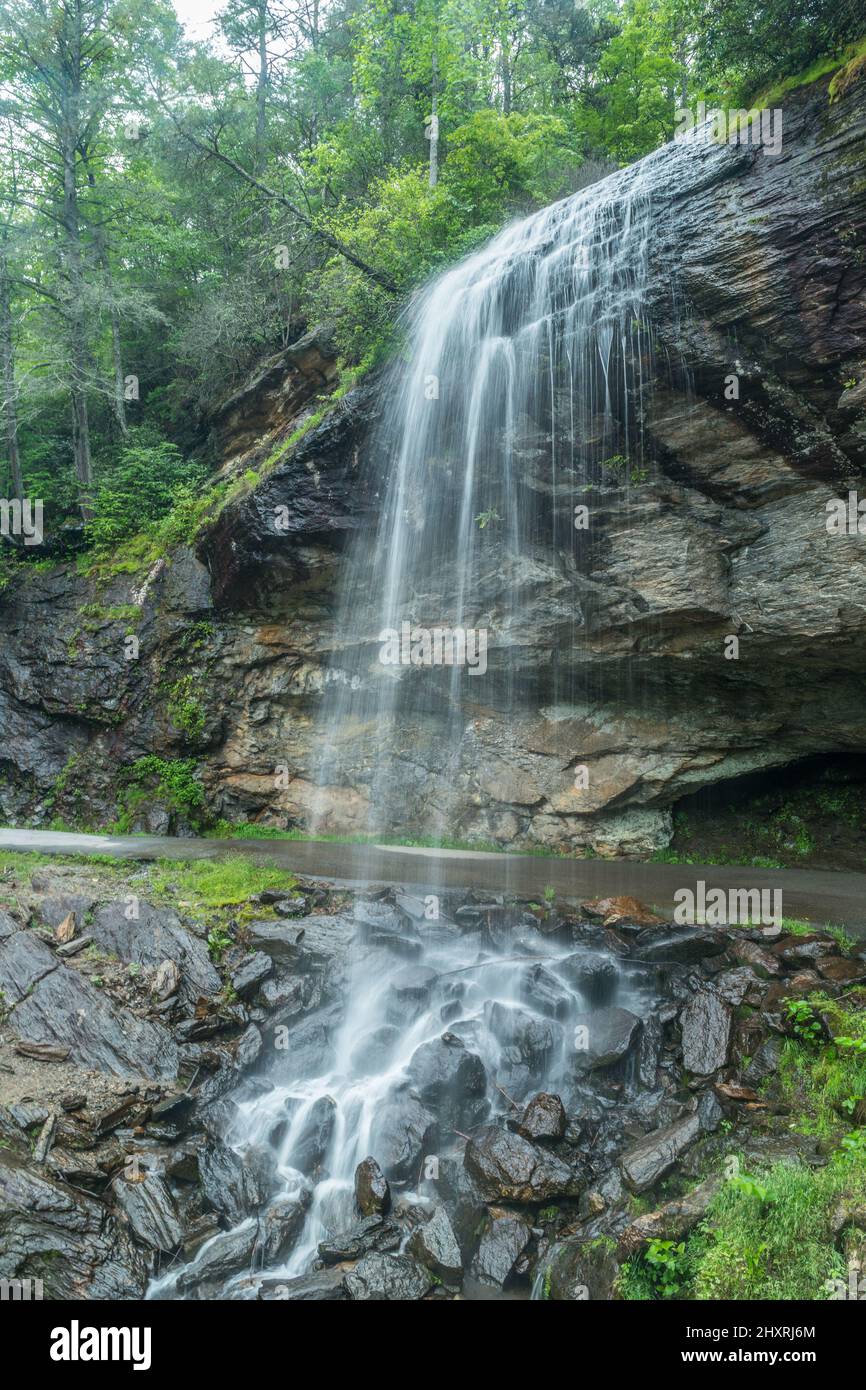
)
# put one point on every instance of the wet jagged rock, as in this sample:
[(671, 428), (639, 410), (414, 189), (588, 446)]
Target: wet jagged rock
[(434, 1245), (373, 1234), (63, 1237), (154, 935), (387, 1278), (503, 1240), (706, 1024), (512, 1169), (580, 1269), (372, 1193), (543, 1119), (449, 1079)]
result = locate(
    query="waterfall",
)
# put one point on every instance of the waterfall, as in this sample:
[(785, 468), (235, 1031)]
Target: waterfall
[(443, 1024), (520, 386)]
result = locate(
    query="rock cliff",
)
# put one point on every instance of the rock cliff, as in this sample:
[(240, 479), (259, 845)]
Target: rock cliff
[(756, 422)]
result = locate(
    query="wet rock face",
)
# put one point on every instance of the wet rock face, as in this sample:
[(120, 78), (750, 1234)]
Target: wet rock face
[(543, 1118), (706, 1023), (387, 1278), (755, 272), (434, 1245), (245, 1165), (50, 1231), (503, 1240), (55, 1005), (579, 1269)]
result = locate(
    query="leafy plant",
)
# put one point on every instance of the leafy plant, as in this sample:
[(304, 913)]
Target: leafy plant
[(804, 1023), (667, 1265), (218, 942)]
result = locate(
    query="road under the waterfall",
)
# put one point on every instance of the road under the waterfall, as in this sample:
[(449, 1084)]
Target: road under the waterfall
[(822, 896)]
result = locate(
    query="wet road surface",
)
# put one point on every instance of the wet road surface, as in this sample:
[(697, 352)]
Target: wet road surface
[(821, 896)]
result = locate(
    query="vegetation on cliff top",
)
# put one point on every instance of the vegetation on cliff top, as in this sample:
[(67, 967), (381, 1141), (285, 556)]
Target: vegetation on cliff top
[(220, 201)]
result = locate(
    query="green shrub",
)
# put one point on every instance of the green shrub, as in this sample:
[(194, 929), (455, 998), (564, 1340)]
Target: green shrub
[(171, 781), (141, 486)]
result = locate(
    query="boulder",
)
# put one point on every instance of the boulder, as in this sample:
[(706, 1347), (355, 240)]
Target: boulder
[(596, 977), (388, 1278), (543, 992), (647, 1162), (503, 1240), (603, 1037), (372, 1193), (24, 960), (324, 1286), (281, 1223), (63, 1009), (218, 1259), (672, 1221), (449, 1079), (53, 911), (402, 1132), (510, 1168), (374, 1233), (544, 1119), (229, 1184), (154, 936), (252, 971), (77, 1247), (685, 946), (434, 1245), (706, 1025), (150, 1210), (578, 1269)]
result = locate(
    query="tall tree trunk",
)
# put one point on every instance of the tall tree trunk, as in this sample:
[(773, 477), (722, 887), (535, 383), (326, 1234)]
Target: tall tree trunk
[(75, 283), (505, 72), (262, 87), (7, 351), (434, 123), (118, 398)]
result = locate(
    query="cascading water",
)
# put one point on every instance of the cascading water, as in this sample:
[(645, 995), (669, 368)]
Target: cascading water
[(527, 363), (439, 1025), (526, 373)]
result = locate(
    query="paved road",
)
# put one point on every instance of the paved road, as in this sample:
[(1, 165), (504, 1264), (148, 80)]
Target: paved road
[(816, 895)]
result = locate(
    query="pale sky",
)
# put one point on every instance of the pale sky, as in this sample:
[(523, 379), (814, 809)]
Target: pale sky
[(197, 16)]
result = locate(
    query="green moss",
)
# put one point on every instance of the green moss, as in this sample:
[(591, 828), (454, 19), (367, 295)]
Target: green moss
[(185, 708), (835, 62)]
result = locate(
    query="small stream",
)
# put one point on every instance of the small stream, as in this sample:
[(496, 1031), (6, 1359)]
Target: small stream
[(429, 1030)]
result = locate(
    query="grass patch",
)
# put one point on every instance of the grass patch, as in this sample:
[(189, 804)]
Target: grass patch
[(768, 1236), (211, 883)]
